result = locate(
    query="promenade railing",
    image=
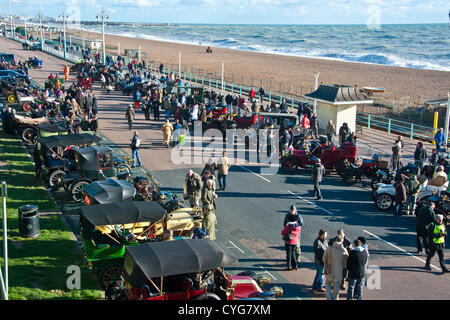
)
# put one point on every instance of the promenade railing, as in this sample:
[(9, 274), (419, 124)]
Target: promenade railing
[(414, 131)]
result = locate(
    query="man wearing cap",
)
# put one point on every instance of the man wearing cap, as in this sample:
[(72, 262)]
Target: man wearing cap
[(425, 216), (293, 212), (192, 189), (130, 116), (135, 146), (437, 233)]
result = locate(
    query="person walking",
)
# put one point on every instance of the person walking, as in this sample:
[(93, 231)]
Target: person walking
[(262, 93), (425, 216), (335, 261), (439, 140), (167, 130), (437, 233), (400, 196), (420, 156), (397, 150), (223, 165), (130, 116), (317, 177), (320, 247), (192, 189), (291, 233), (209, 222), (356, 267), (294, 213), (331, 130), (135, 146)]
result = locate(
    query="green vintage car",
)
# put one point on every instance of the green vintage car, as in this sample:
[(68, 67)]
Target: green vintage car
[(107, 229)]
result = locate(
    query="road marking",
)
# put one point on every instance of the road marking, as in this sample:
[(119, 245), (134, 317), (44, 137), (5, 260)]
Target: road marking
[(265, 271), (258, 175), (235, 246), (311, 203), (398, 248)]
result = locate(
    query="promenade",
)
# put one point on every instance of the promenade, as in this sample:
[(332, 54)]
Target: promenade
[(251, 212)]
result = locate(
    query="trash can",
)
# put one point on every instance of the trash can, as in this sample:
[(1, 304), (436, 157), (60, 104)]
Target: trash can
[(29, 221)]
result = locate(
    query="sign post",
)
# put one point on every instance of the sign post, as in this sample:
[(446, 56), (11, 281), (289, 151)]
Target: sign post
[(4, 282)]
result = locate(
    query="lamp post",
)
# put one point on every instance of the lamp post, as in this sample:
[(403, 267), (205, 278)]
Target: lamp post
[(40, 25), (10, 14), (63, 17), (316, 76), (103, 17)]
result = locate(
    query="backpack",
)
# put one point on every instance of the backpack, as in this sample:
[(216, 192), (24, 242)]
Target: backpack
[(137, 143)]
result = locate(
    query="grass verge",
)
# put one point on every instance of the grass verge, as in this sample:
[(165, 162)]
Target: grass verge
[(37, 267)]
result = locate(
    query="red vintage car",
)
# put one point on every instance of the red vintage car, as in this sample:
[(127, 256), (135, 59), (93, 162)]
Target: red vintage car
[(330, 155), (185, 269)]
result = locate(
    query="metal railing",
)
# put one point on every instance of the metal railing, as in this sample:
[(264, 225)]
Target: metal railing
[(411, 130), (363, 119)]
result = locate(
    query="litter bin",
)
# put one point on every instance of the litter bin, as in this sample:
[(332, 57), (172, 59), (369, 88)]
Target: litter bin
[(29, 221)]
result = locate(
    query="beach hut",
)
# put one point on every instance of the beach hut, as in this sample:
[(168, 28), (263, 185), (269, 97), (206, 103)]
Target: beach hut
[(338, 103)]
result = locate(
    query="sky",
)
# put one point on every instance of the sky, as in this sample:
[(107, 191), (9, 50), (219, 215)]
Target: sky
[(242, 12)]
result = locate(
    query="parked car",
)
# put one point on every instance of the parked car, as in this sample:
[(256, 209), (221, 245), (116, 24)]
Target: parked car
[(57, 157), (108, 191), (186, 269), (384, 195), (92, 164), (332, 157)]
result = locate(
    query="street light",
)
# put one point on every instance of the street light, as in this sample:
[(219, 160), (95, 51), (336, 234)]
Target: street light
[(63, 17), (103, 17)]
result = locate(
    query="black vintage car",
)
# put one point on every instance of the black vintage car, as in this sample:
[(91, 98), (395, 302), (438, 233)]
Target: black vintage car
[(54, 156), (92, 164), (108, 191)]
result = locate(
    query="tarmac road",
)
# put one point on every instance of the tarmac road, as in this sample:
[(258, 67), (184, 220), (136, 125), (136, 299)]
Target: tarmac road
[(250, 213)]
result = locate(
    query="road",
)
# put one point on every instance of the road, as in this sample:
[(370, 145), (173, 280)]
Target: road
[(250, 213)]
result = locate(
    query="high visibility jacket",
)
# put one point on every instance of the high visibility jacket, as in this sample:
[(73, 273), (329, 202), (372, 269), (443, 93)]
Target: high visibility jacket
[(439, 228)]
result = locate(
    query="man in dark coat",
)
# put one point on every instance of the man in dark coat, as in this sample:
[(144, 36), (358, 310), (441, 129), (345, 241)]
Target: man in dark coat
[(425, 216), (317, 177), (420, 156), (356, 267), (400, 196)]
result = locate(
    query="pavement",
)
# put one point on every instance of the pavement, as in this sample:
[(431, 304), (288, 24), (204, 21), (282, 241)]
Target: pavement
[(250, 213)]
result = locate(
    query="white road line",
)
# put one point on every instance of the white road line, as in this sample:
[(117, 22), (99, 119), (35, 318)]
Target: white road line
[(235, 246), (311, 203), (398, 248), (265, 271), (255, 174)]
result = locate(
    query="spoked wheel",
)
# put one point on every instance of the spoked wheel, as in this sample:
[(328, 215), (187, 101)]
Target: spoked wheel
[(110, 273), (77, 191), (384, 201), (26, 107), (56, 178), (123, 169), (289, 164), (28, 135), (12, 98)]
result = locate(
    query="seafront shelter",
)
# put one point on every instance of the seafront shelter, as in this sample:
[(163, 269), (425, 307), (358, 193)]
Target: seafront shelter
[(338, 103)]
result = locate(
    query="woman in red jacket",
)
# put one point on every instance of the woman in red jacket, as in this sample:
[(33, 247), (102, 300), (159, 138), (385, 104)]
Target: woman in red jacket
[(251, 95), (290, 234)]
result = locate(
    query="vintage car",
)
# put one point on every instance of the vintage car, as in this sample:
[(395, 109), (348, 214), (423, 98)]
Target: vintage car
[(92, 164), (56, 157), (185, 269), (148, 189), (108, 191), (384, 195), (27, 126), (106, 229), (442, 204), (332, 157)]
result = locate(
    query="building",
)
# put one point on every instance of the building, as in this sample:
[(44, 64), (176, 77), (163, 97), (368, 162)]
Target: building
[(338, 103)]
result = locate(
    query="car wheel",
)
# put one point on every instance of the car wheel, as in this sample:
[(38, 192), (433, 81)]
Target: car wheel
[(339, 167), (12, 98), (77, 191), (109, 274), (384, 201), (289, 164), (26, 107), (56, 178), (28, 134), (123, 169), (207, 296)]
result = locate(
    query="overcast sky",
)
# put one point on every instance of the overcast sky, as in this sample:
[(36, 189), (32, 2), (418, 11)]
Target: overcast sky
[(243, 12)]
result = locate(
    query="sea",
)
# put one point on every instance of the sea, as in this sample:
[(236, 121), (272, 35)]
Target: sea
[(421, 46)]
